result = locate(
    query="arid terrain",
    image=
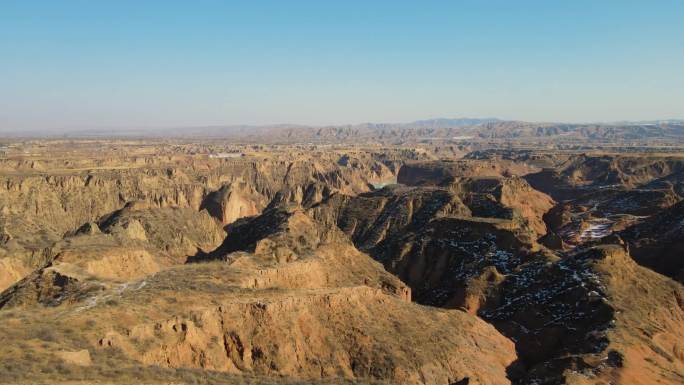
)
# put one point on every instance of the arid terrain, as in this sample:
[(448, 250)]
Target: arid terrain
[(444, 252)]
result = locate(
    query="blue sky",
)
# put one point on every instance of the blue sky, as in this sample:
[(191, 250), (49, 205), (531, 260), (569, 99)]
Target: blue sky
[(121, 63)]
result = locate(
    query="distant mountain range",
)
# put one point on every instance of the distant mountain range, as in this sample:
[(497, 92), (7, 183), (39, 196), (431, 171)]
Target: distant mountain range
[(445, 129)]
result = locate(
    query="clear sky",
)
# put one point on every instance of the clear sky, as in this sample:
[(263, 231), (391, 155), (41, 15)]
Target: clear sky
[(140, 63)]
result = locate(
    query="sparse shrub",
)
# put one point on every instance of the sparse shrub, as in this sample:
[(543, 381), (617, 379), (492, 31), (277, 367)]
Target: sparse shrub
[(197, 320), (62, 369), (47, 335), (46, 369), (111, 302)]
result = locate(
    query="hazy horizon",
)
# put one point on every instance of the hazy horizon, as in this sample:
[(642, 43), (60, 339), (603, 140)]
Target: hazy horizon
[(130, 65), (95, 128)]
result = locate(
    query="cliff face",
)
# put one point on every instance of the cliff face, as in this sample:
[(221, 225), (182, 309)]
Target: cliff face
[(234, 201), (483, 185), (439, 172), (523, 203), (38, 208), (586, 173), (658, 242), (68, 201)]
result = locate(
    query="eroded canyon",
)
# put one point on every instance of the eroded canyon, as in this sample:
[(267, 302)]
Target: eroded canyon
[(179, 261)]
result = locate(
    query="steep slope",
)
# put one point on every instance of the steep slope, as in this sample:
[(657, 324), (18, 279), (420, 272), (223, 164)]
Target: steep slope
[(133, 241), (234, 201), (580, 317), (592, 173), (658, 242), (593, 317), (439, 172), (444, 242), (282, 296), (518, 201)]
